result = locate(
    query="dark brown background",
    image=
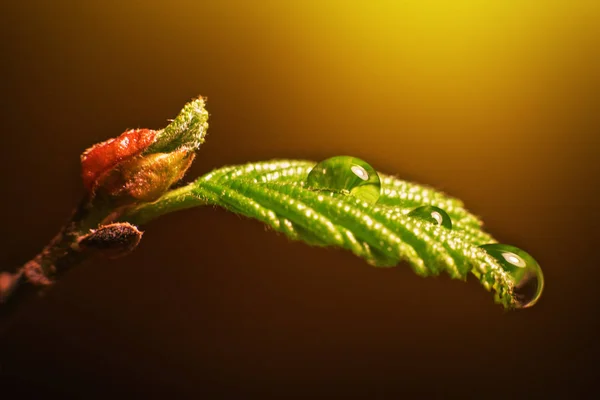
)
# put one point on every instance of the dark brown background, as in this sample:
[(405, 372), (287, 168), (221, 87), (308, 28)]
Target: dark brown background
[(494, 103)]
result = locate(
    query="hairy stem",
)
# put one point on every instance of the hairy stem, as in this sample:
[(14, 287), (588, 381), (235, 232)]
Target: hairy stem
[(175, 200)]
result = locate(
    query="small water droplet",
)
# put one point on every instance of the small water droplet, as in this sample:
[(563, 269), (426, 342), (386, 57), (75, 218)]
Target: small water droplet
[(345, 174), (432, 214), (523, 269)]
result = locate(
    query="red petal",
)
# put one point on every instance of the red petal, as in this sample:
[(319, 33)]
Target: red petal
[(104, 156)]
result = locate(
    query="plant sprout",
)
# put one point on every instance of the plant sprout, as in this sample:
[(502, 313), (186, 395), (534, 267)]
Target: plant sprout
[(341, 201)]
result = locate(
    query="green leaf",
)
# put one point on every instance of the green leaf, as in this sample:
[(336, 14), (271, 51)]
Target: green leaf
[(275, 193), (187, 130)]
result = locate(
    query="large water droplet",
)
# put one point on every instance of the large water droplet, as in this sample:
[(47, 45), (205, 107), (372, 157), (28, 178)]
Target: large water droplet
[(524, 270), (432, 214), (345, 174)]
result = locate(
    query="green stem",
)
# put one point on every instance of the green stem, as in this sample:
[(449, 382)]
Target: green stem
[(175, 200)]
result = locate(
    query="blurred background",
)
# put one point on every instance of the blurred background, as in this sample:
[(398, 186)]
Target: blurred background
[(492, 102)]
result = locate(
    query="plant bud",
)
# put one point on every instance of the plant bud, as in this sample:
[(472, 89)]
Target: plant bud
[(142, 164), (112, 240), (103, 157), (147, 178)]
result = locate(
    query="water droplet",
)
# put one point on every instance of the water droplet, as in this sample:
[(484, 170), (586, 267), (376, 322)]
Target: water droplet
[(345, 174), (524, 270), (432, 214)]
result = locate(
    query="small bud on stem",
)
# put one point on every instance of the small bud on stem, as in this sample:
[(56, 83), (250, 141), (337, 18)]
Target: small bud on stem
[(135, 168), (113, 241), (103, 157), (141, 164)]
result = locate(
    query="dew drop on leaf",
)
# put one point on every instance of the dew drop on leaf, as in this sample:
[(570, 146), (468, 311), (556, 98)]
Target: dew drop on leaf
[(523, 269), (348, 175), (432, 214)]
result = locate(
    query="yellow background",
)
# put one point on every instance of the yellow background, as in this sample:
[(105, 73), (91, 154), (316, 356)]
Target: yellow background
[(495, 102)]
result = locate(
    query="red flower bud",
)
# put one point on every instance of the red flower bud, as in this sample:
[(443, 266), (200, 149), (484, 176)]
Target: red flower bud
[(142, 164), (146, 178), (101, 158)]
